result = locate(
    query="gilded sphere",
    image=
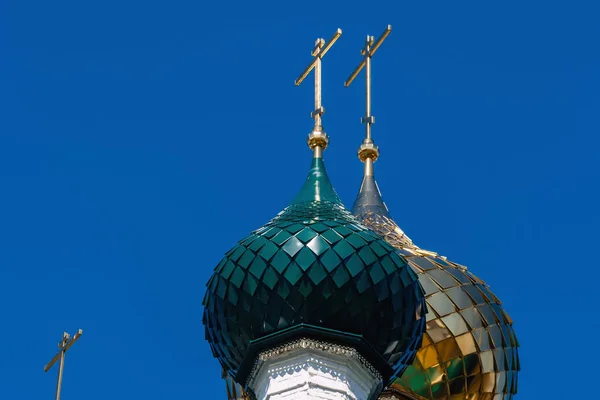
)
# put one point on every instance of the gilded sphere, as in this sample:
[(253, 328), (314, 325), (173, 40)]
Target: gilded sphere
[(469, 348)]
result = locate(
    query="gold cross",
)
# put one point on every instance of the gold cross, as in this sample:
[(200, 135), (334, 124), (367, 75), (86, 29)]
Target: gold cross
[(321, 47), (370, 48)]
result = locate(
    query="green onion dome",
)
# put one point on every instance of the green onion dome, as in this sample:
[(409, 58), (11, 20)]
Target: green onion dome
[(314, 271), (469, 350)]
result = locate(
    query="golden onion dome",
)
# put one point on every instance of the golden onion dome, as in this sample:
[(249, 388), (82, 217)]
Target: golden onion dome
[(469, 349)]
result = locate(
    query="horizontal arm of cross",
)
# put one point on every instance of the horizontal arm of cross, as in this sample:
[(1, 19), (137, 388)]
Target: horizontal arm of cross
[(355, 72), (62, 350), (319, 55), (380, 40), (368, 51)]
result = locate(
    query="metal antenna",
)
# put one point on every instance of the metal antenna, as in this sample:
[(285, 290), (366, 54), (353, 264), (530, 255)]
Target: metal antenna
[(63, 345), (368, 152), (317, 139)]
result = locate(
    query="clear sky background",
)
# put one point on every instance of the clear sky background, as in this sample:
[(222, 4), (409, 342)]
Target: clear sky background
[(139, 140)]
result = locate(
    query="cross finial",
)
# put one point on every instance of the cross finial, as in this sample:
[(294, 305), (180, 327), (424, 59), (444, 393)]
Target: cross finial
[(317, 139), (368, 152), (63, 345)]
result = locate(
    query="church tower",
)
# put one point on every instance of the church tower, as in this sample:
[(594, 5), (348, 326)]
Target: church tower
[(327, 304), (314, 304)]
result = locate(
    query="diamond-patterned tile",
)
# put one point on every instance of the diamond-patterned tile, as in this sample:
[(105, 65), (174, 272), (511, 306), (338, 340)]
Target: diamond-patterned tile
[(472, 321), (314, 263)]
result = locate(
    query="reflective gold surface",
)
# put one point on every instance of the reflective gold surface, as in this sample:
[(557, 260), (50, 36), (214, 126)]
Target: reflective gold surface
[(469, 351)]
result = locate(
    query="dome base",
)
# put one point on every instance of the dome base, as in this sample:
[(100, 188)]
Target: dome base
[(309, 369), (279, 340)]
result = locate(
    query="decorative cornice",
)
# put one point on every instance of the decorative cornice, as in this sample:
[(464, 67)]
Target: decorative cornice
[(310, 344)]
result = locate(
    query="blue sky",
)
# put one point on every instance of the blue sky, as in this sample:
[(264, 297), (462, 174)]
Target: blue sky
[(140, 140)]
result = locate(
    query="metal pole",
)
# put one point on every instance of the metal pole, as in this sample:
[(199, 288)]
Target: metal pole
[(60, 374), (61, 366)]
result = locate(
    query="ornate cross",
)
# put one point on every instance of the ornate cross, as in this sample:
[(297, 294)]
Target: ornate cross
[(321, 47), (368, 51)]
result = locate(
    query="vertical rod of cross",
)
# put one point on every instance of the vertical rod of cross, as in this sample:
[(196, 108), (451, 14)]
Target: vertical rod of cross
[(367, 121), (64, 345), (318, 111), (61, 365)]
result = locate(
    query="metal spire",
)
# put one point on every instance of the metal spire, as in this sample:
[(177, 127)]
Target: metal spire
[(63, 345), (318, 139), (367, 151)]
